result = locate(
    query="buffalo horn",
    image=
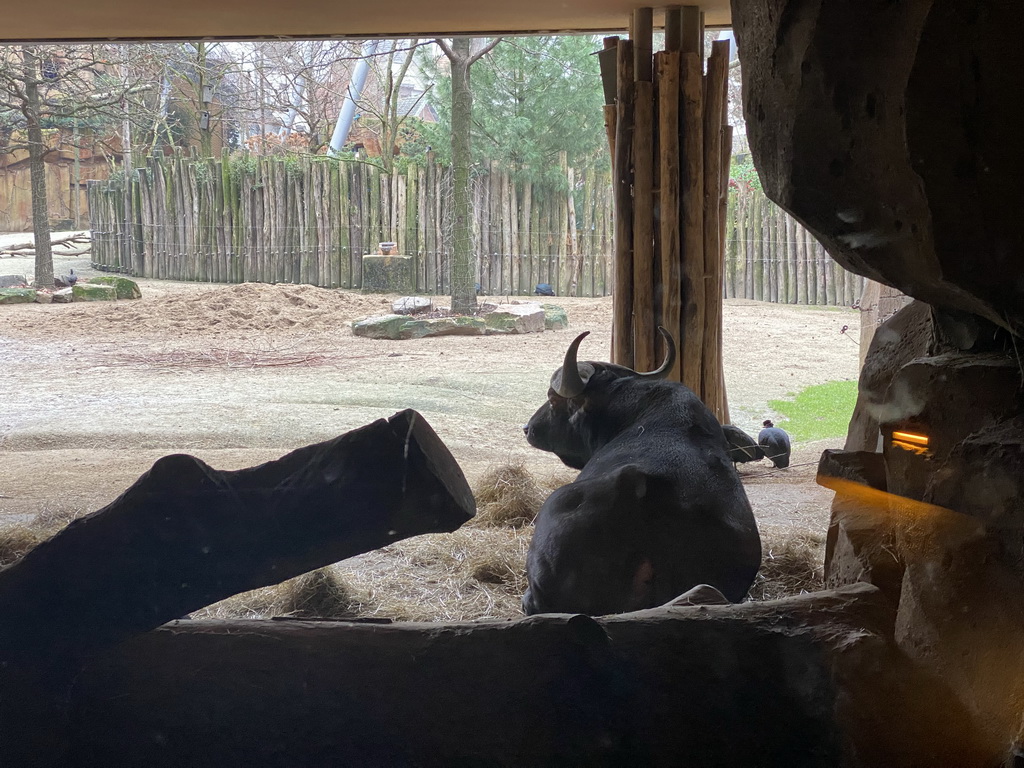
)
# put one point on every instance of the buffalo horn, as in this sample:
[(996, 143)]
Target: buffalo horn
[(571, 383), (670, 358)]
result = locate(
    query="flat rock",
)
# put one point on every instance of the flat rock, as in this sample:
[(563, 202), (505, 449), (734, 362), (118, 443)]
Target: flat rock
[(411, 305), (10, 281), (63, 296), (17, 295), (379, 326), (42, 297), (442, 326), (123, 287), (93, 292), (555, 317), (515, 318)]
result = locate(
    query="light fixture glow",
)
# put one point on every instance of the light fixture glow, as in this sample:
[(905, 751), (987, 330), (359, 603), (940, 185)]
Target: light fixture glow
[(910, 437)]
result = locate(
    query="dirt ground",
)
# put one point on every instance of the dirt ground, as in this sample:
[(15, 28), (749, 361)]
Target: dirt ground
[(92, 394)]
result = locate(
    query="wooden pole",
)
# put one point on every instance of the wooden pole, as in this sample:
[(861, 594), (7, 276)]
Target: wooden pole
[(674, 28), (622, 296), (643, 228), (723, 207), (692, 198), (667, 64), (692, 31), (641, 32)]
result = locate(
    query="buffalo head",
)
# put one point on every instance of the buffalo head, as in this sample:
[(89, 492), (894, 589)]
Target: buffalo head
[(586, 402)]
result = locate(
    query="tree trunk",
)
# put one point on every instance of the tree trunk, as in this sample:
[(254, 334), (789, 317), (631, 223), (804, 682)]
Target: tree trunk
[(463, 292), (37, 169)]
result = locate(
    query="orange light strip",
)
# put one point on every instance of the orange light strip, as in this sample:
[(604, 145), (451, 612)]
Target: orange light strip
[(910, 437)]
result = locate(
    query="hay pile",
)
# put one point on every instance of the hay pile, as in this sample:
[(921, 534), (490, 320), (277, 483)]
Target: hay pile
[(790, 565)]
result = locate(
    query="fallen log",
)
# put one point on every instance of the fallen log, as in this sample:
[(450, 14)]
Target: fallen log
[(814, 680), (186, 535), (29, 248)]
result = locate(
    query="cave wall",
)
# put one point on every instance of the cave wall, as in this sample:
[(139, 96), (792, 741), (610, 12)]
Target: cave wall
[(890, 131)]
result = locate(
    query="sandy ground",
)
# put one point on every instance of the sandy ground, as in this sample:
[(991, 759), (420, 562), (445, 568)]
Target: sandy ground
[(92, 394)]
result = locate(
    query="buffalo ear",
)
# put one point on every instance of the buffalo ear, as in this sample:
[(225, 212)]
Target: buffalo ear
[(642, 585)]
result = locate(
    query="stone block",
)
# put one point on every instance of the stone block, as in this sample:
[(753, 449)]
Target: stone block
[(515, 318), (388, 274), (17, 295), (123, 287), (11, 281), (442, 326), (379, 326), (91, 292), (555, 317), (63, 296), (42, 297), (411, 305)]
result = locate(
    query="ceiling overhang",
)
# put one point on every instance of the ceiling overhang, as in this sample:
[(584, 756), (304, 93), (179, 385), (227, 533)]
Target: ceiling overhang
[(75, 20)]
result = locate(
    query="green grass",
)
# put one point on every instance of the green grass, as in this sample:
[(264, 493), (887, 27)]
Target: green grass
[(819, 412)]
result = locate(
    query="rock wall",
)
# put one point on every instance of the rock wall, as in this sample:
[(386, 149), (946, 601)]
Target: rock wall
[(889, 131)]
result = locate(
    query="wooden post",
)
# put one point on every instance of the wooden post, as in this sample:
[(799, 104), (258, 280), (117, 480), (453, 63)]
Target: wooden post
[(673, 28), (714, 108), (643, 228), (622, 301), (692, 31), (667, 64), (692, 198)]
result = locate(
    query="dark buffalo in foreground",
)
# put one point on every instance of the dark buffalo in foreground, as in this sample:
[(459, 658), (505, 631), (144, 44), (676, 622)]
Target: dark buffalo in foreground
[(658, 506)]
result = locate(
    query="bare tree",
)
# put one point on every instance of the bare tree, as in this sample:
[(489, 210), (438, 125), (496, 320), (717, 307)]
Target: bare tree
[(461, 57), (47, 88)]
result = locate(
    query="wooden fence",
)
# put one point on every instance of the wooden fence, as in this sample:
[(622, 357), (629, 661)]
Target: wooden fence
[(310, 220), (276, 220), (770, 257)]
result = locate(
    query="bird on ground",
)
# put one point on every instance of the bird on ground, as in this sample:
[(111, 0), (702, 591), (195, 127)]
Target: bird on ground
[(66, 281), (775, 443), (742, 447), (544, 289)]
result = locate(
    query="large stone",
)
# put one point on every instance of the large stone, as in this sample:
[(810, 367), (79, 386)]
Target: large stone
[(42, 297), (123, 287), (411, 305), (515, 318), (555, 317), (93, 292), (947, 398), (11, 281), (888, 133), (379, 326), (17, 295), (442, 326), (63, 296), (388, 274), (904, 336)]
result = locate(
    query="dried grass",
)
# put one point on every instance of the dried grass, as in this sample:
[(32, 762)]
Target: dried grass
[(507, 496), (791, 565), (18, 540)]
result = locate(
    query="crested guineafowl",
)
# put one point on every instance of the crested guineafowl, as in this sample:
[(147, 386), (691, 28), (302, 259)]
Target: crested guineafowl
[(775, 443)]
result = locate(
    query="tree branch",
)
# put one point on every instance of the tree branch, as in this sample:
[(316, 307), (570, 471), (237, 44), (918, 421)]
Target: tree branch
[(484, 51)]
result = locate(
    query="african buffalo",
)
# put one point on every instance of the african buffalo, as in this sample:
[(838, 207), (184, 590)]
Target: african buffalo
[(658, 506)]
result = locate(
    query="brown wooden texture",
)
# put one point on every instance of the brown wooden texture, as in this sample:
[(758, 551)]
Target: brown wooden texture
[(622, 186), (667, 65), (692, 198), (715, 85), (186, 535), (644, 143)]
